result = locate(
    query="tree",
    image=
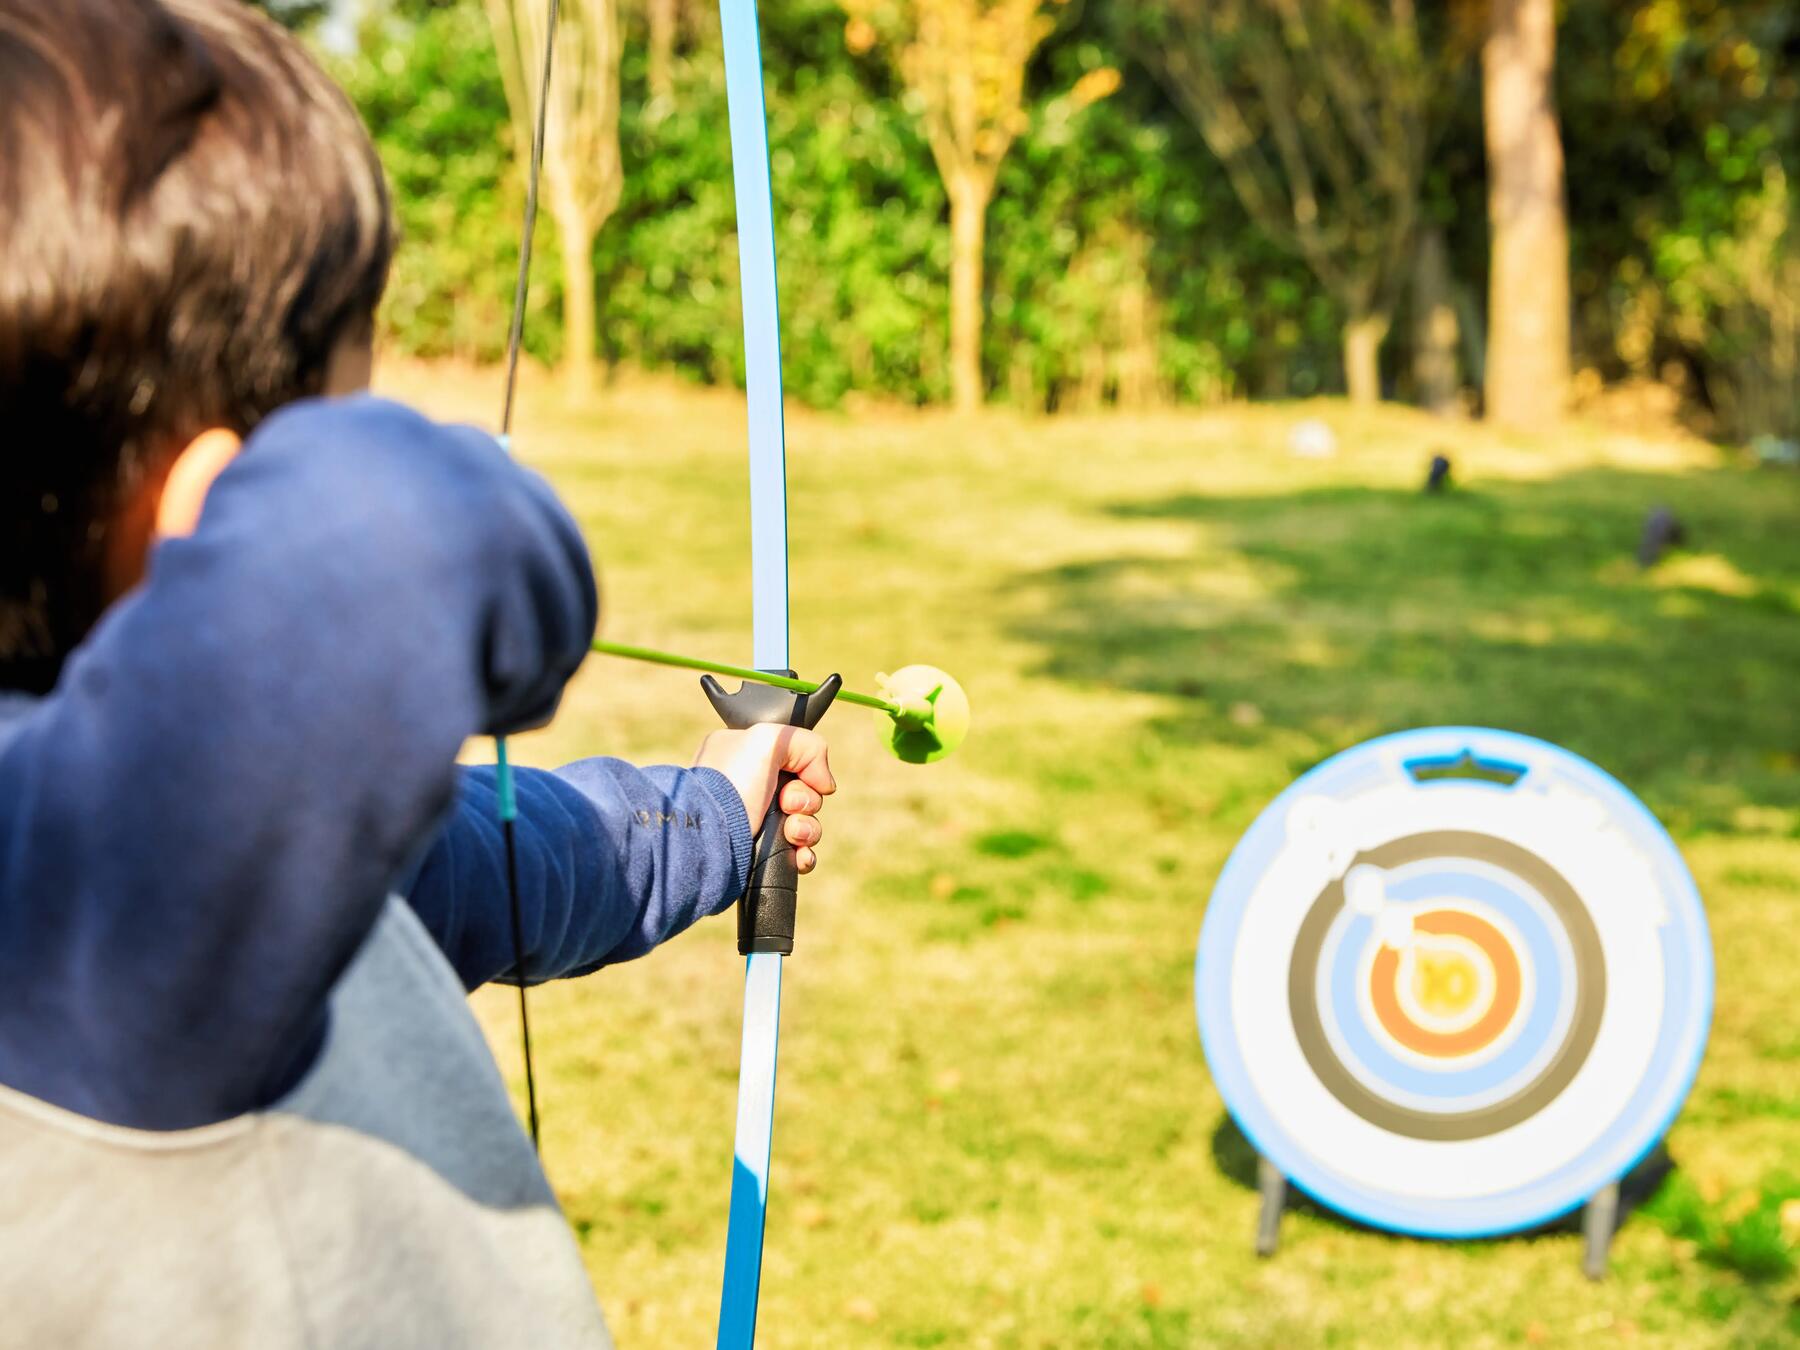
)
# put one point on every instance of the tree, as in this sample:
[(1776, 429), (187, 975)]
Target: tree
[(963, 63), (1435, 334), (1528, 278), (662, 16), (582, 171), (1316, 110)]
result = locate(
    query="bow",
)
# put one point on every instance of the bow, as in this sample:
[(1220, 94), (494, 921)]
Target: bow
[(927, 711), (768, 905), (762, 951)]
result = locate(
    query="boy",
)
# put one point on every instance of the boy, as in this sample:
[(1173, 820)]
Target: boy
[(243, 631)]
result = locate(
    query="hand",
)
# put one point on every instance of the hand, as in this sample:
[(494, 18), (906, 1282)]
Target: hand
[(754, 759)]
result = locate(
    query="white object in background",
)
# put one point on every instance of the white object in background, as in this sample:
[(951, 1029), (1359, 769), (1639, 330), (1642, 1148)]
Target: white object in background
[(1312, 439)]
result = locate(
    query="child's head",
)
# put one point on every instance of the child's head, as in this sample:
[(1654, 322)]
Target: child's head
[(194, 230)]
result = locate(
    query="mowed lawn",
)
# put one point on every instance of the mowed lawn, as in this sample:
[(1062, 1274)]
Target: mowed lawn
[(994, 1123)]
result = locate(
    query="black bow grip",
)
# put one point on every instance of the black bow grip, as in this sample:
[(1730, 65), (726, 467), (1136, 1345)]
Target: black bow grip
[(766, 913)]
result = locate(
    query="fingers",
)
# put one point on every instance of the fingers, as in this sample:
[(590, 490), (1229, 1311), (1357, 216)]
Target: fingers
[(803, 831), (806, 755), (804, 797), (752, 760), (797, 799)]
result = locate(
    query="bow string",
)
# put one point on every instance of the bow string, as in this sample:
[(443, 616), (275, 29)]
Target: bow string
[(503, 776)]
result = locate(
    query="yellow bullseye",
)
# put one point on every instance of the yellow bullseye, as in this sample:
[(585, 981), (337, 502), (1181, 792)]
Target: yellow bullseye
[(1445, 984)]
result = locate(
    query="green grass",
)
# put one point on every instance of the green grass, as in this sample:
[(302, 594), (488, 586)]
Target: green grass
[(995, 1126)]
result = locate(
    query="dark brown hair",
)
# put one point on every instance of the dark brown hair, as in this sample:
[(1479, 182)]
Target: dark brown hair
[(191, 218)]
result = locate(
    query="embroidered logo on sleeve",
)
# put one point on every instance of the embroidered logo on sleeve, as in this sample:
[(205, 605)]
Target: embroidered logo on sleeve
[(685, 820)]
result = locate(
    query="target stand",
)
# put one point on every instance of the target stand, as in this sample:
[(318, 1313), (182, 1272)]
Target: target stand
[(1455, 983)]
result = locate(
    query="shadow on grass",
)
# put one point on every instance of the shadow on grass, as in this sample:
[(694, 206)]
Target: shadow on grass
[(1236, 1159), (1741, 1235), (1344, 612), (1297, 624)]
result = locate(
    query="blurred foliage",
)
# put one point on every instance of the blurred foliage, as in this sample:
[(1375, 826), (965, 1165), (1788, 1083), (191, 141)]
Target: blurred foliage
[(429, 89), (1681, 123), (1752, 1234), (1120, 267), (863, 261), (1099, 212)]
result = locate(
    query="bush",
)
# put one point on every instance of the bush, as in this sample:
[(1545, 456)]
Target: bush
[(1120, 266)]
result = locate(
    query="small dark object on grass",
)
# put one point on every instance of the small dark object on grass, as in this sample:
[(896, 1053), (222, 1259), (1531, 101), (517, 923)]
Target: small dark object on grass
[(1662, 532), (1437, 478)]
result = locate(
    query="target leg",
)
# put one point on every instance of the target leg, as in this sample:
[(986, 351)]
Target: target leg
[(1272, 1186), (1599, 1221)]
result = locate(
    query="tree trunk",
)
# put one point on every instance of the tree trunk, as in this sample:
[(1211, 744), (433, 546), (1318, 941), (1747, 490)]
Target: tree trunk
[(580, 336), (1436, 333), (1528, 285), (662, 49), (1363, 336), (1136, 360), (968, 243)]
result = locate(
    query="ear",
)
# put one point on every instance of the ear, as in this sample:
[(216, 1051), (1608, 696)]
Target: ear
[(191, 477)]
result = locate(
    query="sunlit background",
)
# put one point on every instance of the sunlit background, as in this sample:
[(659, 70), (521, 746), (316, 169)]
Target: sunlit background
[(1119, 338)]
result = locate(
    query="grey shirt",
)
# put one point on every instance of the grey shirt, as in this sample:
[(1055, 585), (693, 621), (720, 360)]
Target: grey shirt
[(388, 1200)]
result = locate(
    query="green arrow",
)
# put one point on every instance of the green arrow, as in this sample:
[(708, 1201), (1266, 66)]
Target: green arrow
[(929, 710)]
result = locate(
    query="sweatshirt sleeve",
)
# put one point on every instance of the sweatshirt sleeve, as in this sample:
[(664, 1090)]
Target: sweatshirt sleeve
[(613, 860), (200, 824)]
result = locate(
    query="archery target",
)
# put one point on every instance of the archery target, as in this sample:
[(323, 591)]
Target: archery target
[(1454, 1004)]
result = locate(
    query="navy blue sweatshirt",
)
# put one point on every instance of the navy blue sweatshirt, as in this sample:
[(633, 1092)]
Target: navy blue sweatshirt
[(200, 824)]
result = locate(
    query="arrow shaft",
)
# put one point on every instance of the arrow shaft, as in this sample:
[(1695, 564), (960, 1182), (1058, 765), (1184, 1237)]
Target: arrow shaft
[(628, 652)]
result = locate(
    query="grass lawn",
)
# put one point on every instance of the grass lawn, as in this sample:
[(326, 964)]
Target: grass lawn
[(995, 1126)]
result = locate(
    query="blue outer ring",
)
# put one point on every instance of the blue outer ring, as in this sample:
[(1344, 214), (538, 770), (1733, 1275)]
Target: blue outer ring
[(1645, 1118)]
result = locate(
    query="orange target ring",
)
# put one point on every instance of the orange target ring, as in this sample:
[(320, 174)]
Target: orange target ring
[(1446, 977)]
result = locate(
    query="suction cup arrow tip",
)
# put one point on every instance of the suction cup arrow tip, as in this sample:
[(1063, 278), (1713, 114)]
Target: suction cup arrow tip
[(931, 714)]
